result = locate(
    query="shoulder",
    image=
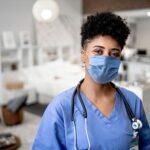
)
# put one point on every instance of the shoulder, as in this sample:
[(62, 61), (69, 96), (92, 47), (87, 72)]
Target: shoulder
[(60, 103), (134, 101), (63, 98), (129, 95)]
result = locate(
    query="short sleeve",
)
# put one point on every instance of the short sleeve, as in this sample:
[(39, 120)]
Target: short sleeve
[(50, 134)]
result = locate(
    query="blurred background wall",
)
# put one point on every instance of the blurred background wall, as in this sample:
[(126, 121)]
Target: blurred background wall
[(17, 15)]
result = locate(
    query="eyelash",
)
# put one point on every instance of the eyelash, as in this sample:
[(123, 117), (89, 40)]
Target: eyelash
[(112, 53), (97, 51)]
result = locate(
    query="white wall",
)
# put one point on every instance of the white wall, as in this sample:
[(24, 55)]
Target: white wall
[(57, 33), (73, 8), (143, 33), (0, 81), (15, 15)]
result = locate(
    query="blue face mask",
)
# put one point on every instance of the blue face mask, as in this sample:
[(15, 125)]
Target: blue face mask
[(103, 69)]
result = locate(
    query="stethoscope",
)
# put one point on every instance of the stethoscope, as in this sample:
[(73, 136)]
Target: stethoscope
[(136, 123)]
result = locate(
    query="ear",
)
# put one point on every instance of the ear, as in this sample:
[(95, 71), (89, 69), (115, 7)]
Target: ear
[(82, 55)]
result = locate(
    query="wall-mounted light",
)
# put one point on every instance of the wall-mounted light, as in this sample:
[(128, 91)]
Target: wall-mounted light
[(148, 13), (45, 10)]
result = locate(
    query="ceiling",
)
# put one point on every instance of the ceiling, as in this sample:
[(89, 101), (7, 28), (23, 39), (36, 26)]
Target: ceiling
[(139, 13), (91, 6)]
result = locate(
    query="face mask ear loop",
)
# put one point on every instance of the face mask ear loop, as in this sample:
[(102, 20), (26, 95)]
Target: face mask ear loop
[(75, 136), (86, 130)]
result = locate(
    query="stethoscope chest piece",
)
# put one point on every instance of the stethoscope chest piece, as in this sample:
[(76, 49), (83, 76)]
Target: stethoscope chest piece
[(136, 124)]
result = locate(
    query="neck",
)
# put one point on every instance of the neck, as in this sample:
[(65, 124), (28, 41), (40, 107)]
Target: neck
[(95, 91)]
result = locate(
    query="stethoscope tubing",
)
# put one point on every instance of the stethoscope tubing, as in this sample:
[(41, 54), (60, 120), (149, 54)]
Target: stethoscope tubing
[(129, 111)]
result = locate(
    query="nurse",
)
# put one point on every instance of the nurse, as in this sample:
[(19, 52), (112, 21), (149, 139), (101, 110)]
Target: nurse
[(107, 126)]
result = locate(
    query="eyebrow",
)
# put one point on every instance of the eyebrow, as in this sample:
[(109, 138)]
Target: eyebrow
[(102, 47)]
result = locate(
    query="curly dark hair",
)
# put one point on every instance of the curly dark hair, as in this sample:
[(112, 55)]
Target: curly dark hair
[(105, 23)]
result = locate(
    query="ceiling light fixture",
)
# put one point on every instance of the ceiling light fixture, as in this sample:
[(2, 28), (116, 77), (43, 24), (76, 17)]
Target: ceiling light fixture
[(45, 10)]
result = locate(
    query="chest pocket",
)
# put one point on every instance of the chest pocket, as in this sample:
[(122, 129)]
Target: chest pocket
[(82, 141)]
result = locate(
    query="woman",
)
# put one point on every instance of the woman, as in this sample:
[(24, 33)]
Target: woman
[(106, 125)]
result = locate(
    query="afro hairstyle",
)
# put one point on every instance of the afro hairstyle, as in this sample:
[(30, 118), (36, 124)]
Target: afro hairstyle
[(105, 23)]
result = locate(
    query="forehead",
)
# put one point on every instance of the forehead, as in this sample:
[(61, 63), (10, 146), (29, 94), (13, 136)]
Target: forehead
[(105, 41)]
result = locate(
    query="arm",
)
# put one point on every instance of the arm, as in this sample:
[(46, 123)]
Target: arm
[(144, 133), (50, 135)]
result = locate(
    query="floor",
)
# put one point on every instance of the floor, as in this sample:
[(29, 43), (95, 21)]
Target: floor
[(36, 108), (25, 131)]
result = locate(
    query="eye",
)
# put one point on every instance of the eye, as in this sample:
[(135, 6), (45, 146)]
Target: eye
[(115, 54), (98, 51)]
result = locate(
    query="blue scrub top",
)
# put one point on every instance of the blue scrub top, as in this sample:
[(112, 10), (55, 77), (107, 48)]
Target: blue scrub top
[(56, 130)]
